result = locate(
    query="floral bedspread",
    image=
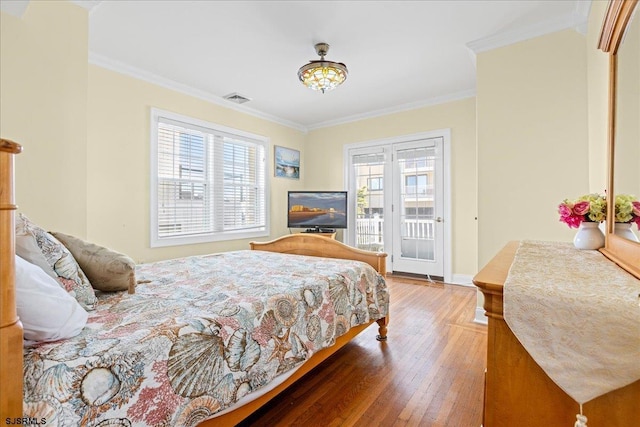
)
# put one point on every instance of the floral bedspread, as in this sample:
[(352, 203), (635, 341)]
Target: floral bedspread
[(199, 334)]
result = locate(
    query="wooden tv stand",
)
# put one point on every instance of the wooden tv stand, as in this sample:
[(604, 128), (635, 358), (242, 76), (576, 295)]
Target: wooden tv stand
[(517, 391)]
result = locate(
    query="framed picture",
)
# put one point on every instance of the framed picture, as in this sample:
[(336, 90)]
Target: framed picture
[(287, 163)]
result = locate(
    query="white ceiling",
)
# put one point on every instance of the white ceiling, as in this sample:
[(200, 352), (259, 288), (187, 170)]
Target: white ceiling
[(400, 54)]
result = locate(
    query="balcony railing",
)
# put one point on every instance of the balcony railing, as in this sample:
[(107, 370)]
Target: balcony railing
[(370, 236)]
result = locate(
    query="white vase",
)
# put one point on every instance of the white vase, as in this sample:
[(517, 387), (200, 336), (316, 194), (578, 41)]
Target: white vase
[(623, 229), (589, 236)]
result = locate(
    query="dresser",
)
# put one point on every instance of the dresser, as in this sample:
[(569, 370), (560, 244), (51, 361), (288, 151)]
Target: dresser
[(517, 391)]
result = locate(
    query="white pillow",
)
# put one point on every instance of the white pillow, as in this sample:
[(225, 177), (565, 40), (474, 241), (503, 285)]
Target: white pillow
[(47, 312)]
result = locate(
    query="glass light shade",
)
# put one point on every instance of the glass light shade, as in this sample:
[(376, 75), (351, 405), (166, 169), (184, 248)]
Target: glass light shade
[(322, 75)]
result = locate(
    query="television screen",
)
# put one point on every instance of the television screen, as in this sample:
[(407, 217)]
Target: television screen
[(317, 210)]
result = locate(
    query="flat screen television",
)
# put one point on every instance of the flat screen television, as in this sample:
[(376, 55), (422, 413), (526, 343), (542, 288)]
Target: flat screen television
[(317, 211)]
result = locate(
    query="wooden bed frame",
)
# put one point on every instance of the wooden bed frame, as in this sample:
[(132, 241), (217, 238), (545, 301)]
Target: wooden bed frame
[(11, 339), (10, 326)]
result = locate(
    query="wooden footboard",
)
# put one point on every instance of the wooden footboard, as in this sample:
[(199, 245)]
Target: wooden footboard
[(234, 417), (10, 326), (312, 245)]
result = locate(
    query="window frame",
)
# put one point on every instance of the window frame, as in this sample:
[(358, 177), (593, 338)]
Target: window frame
[(216, 236), (377, 179), (415, 188)]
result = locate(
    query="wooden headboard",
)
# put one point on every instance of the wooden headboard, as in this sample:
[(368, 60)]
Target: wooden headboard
[(10, 326)]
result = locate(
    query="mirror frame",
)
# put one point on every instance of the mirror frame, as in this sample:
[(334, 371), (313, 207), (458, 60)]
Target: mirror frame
[(623, 252)]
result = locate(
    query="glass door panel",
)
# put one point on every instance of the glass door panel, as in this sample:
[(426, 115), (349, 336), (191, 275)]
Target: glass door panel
[(368, 172), (417, 207)]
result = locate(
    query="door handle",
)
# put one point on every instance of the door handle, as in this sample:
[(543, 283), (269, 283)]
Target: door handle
[(439, 219)]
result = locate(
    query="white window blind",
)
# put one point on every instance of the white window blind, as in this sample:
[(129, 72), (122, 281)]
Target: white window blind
[(208, 182)]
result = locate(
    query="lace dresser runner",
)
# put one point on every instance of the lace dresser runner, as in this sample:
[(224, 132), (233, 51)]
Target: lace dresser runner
[(577, 315)]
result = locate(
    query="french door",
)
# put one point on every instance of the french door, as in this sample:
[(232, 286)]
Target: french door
[(397, 202), (417, 217)]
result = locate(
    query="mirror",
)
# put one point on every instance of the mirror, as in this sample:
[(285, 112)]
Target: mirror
[(624, 128), (627, 129)]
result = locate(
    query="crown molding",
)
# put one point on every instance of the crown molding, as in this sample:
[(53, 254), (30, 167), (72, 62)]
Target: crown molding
[(576, 20), (14, 7), (397, 109), (18, 7), (583, 9), (87, 4), (122, 68)]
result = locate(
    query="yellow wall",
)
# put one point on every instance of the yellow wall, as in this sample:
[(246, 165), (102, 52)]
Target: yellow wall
[(85, 130), (598, 93), (532, 138), (43, 106), (325, 146), (118, 162)]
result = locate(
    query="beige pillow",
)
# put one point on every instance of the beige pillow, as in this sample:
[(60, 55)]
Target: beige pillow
[(106, 269)]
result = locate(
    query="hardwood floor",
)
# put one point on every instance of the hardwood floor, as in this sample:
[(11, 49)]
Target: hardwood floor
[(430, 372)]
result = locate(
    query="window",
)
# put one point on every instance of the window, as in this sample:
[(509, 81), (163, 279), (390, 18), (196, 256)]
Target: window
[(419, 213), (191, 166), (416, 184), (375, 183), (208, 182), (415, 163)]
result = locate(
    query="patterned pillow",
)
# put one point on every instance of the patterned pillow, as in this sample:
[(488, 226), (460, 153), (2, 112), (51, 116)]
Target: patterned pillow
[(42, 249)]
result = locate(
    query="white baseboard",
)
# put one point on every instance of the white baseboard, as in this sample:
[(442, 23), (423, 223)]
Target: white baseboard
[(480, 317), (462, 279), (466, 280)]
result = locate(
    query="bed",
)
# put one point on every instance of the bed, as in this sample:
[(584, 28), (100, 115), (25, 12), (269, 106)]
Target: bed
[(204, 340)]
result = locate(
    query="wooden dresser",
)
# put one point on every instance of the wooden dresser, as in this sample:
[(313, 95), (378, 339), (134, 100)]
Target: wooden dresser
[(517, 391)]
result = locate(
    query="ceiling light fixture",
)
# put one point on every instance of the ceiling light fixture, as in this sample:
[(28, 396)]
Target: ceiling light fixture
[(320, 74)]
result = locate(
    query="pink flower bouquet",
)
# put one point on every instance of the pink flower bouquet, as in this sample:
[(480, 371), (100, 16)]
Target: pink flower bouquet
[(587, 208)]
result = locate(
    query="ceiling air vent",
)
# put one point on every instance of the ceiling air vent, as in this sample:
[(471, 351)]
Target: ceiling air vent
[(237, 98)]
